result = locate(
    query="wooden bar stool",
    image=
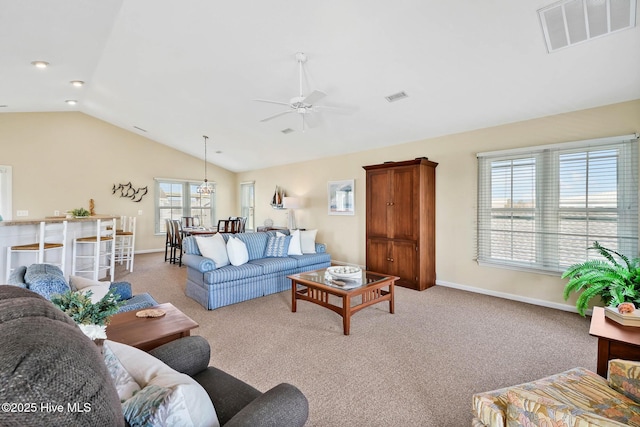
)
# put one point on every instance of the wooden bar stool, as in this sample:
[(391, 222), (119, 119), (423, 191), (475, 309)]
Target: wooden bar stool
[(52, 236), (100, 254), (125, 241)]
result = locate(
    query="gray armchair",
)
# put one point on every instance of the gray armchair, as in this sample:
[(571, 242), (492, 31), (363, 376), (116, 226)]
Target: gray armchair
[(237, 403), (46, 360)]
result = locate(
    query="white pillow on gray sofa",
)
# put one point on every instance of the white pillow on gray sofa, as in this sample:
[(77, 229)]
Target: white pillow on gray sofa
[(166, 397)]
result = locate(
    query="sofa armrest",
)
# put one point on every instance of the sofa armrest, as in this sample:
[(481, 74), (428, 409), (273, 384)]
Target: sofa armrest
[(188, 355), (283, 405), (198, 262), (321, 248), (624, 377)]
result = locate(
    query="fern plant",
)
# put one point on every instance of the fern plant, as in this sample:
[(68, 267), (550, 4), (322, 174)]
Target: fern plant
[(615, 280), (83, 311)]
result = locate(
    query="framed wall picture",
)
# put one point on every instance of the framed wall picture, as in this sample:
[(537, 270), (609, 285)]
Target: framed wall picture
[(341, 197)]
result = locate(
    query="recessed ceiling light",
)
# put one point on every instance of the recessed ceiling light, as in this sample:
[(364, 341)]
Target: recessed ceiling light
[(3, 106), (286, 131), (218, 152), (71, 101), (40, 64), (77, 83)]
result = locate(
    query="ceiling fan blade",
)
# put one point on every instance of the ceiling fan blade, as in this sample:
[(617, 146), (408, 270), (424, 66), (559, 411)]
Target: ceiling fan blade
[(277, 115), (314, 97), (272, 102)]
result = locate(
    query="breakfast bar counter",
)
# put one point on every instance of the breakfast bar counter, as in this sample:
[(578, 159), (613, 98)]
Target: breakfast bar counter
[(23, 231)]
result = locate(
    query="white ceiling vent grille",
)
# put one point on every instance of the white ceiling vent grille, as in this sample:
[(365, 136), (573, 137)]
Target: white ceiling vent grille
[(569, 22), (396, 96)]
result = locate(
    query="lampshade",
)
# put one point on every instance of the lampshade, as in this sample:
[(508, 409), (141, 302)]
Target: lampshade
[(292, 202)]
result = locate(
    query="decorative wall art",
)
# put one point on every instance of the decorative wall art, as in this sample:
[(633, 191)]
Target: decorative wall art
[(341, 197), (127, 190)]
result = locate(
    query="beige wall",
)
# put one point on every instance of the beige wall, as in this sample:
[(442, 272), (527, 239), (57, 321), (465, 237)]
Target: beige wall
[(61, 160), (76, 157), (456, 182)]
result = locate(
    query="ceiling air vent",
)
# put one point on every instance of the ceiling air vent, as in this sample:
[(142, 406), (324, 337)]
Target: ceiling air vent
[(286, 131), (570, 22), (396, 96)]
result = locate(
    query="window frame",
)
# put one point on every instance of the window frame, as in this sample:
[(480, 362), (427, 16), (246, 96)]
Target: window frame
[(188, 191), (548, 213)]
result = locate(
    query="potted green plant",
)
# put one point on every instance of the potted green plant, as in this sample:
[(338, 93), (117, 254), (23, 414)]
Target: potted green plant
[(92, 318), (80, 213), (616, 279)]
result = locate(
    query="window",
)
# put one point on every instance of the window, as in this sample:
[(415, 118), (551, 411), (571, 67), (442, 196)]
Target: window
[(247, 203), (177, 198), (540, 208)]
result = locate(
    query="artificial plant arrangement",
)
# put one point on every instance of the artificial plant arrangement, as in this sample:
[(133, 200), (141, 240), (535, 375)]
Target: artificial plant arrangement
[(80, 213), (615, 281), (92, 318)]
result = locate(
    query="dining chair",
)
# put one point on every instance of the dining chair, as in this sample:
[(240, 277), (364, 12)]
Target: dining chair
[(168, 243), (242, 221), (176, 247), (228, 226)]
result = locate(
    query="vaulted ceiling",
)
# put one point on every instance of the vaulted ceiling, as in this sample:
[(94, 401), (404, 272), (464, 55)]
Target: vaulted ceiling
[(182, 69)]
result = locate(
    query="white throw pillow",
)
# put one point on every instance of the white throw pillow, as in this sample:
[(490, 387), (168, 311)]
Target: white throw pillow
[(237, 251), (167, 397), (308, 241), (294, 244), (82, 284), (214, 248)]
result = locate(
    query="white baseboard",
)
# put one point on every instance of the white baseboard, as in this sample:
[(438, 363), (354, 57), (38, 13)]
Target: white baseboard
[(513, 297)]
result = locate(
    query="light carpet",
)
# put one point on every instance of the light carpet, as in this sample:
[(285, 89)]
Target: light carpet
[(417, 367)]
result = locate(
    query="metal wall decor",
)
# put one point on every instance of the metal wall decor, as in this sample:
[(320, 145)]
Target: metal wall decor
[(127, 190)]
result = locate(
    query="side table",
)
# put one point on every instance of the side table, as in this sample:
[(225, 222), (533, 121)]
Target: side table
[(615, 341)]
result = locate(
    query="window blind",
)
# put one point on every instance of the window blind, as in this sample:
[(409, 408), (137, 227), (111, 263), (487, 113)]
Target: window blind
[(540, 208)]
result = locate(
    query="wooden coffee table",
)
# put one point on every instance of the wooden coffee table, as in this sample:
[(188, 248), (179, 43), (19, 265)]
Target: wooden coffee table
[(311, 286), (147, 333), (615, 341)]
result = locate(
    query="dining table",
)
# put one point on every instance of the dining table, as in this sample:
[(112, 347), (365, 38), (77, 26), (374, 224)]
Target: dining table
[(199, 231)]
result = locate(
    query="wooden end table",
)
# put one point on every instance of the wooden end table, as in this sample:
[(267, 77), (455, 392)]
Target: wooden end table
[(315, 289), (147, 333), (615, 341)]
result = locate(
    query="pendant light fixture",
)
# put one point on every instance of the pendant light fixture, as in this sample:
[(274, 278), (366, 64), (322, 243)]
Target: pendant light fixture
[(205, 187)]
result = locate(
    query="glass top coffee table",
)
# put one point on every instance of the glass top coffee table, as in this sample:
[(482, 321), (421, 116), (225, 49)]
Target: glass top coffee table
[(316, 286)]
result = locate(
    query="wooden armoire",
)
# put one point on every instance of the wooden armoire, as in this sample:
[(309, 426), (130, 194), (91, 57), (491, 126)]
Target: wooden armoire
[(401, 221)]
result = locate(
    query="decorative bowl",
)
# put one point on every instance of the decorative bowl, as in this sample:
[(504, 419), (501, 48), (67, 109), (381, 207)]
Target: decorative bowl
[(344, 272)]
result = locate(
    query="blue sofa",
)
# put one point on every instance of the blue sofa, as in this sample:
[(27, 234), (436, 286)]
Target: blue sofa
[(216, 287), (47, 280)]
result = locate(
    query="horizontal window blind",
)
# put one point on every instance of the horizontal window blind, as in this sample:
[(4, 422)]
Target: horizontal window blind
[(540, 208)]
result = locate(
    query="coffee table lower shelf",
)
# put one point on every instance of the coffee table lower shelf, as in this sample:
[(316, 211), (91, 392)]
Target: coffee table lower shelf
[(310, 286)]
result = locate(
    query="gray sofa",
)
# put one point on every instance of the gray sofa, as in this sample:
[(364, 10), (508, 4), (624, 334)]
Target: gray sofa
[(47, 280), (46, 360), (216, 287)]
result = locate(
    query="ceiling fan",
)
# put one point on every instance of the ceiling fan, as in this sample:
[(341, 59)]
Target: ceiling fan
[(304, 105)]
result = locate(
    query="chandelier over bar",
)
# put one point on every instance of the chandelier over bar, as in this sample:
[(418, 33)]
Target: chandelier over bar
[(206, 187)]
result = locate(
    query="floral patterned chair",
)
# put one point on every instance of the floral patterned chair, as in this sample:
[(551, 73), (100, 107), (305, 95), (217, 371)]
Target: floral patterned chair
[(577, 397)]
